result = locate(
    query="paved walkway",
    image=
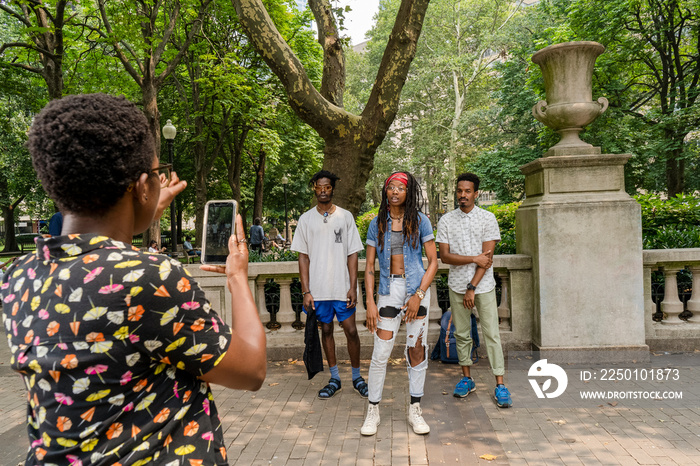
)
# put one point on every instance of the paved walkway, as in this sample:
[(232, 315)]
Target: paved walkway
[(286, 424)]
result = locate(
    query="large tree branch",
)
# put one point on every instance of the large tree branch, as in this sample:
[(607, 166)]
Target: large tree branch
[(17, 202), (59, 23), (383, 102), (196, 27), (333, 80), (322, 115), (23, 19), (36, 48), (117, 47), (167, 32), (27, 68)]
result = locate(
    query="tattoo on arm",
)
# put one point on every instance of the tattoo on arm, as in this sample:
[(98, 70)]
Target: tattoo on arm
[(371, 272)]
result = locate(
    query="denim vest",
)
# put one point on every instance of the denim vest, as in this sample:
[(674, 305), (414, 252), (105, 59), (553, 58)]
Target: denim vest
[(412, 257)]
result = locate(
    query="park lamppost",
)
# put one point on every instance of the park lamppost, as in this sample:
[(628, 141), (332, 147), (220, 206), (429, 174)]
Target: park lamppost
[(285, 181), (169, 132)]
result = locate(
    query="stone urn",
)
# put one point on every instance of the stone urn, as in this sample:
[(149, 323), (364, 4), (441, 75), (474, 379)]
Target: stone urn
[(568, 72)]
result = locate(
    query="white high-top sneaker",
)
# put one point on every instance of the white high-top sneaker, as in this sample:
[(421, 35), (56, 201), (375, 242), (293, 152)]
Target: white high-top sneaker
[(369, 427), (415, 419)]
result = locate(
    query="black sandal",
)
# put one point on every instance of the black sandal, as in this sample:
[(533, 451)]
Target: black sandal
[(361, 386), (329, 390)]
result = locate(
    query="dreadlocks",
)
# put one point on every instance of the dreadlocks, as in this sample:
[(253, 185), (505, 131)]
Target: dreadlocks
[(414, 201)]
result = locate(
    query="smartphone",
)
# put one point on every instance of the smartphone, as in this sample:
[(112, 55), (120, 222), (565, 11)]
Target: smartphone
[(219, 225)]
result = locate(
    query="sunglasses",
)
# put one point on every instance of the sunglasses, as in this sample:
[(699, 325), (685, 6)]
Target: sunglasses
[(164, 173)]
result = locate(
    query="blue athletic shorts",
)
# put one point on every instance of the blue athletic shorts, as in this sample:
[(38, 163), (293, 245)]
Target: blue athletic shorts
[(326, 310)]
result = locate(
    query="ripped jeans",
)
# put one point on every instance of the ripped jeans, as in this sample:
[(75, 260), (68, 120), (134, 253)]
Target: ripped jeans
[(389, 305)]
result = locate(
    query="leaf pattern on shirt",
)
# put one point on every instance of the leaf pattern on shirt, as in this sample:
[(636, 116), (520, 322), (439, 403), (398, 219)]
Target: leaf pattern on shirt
[(109, 342)]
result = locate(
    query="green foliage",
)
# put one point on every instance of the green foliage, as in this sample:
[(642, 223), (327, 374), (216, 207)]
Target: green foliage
[(276, 255), (505, 214), (363, 222), (672, 223), (446, 112), (649, 72)]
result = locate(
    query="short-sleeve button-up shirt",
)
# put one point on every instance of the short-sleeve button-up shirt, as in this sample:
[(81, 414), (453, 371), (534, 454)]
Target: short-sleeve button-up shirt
[(466, 233), (110, 342)]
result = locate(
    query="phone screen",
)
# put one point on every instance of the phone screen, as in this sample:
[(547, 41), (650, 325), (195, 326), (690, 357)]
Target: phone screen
[(220, 222)]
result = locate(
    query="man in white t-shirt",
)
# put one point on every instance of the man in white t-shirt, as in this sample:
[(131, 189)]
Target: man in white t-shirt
[(467, 237), (327, 241)]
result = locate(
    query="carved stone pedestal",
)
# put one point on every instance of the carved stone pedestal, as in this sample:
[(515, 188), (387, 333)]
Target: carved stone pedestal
[(584, 234)]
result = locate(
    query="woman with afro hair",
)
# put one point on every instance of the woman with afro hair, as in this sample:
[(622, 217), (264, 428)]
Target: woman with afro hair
[(397, 237), (117, 347)]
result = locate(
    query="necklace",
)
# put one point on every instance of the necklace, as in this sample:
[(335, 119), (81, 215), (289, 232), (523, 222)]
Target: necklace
[(397, 219), (326, 213)]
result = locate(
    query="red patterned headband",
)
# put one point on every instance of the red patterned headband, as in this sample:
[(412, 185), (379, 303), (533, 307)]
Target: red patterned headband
[(399, 176)]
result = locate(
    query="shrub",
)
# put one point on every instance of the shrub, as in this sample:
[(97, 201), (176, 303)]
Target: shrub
[(505, 214), (363, 222), (276, 255), (672, 223)]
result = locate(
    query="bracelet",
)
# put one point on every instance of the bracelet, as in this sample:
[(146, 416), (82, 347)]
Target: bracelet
[(304, 293), (420, 293)]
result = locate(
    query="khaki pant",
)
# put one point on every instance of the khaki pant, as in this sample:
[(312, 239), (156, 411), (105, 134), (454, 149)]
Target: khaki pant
[(488, 317)]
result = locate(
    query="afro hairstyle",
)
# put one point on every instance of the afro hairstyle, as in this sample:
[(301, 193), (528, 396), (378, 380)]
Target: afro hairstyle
[(469, 177), (88, 148), (324, 174)]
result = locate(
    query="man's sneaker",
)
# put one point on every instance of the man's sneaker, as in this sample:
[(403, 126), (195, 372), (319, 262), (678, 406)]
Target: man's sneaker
[(502, 397), (464, 387), (415, 419), (371, 420)]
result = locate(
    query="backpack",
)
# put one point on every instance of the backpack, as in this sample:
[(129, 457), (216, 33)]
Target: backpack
[(446, 346)]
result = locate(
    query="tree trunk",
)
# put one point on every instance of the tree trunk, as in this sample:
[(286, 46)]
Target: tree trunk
[(243, 210), (236, 144), (200, 195), (8, 215), (178, 222), (675, 165), (351, 140), (259, 185), (353, 165), (10, 239), (675, 173), (53, 76), (149, 95)]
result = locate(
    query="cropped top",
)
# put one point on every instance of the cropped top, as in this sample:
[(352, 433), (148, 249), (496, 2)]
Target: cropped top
[(397, 243)]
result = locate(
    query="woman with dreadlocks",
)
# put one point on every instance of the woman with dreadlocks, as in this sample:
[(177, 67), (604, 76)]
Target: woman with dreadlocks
[(396, 237)]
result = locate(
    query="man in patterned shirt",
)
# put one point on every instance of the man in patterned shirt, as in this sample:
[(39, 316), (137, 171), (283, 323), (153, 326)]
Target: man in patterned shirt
[(467, 237)]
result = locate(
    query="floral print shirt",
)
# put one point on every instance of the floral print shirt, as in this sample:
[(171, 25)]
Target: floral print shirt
[(110, 342)]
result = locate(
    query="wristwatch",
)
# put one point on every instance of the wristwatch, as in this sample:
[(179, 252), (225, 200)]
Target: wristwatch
[(471, 287), (420, 293)]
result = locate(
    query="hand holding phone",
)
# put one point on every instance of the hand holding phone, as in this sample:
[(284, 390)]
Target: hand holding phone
[(219, 226), (236, 266)]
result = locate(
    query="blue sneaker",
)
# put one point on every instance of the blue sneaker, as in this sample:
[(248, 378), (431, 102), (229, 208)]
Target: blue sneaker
[(464, 387), (502, 397)]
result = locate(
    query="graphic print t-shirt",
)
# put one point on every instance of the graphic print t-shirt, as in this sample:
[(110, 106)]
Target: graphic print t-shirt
[(328, 245)]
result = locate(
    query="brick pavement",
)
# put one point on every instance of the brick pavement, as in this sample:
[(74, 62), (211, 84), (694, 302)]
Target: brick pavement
[(286, 424)]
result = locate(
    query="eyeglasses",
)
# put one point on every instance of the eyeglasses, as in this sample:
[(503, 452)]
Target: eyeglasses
[(163, 171), (320, 189), (396, 189)]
